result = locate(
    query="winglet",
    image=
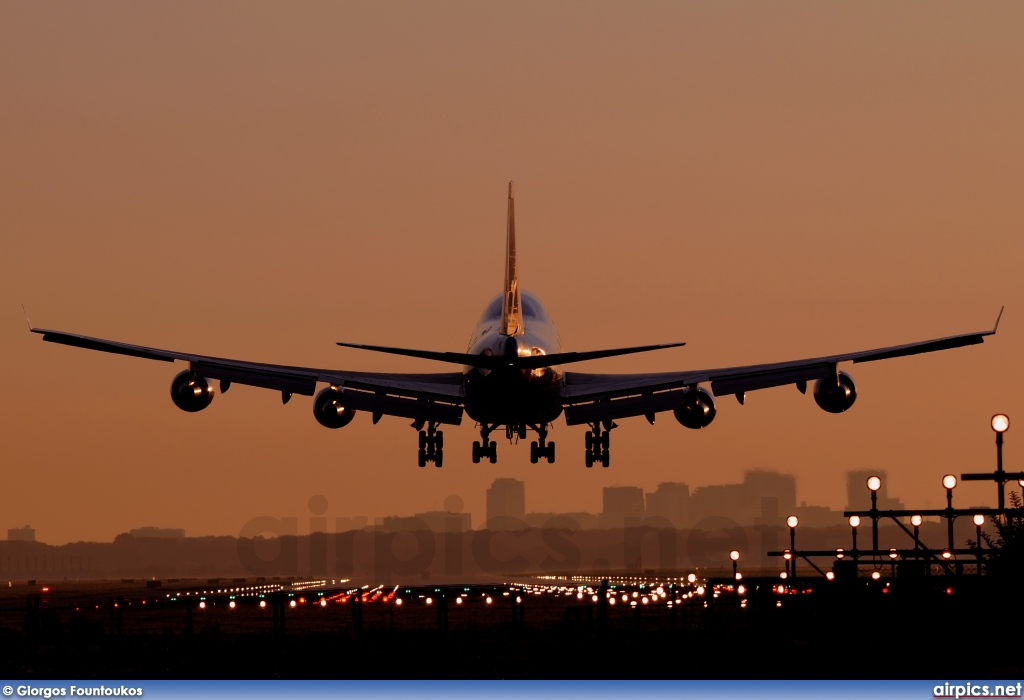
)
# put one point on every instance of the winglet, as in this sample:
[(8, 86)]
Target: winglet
[(996, 327), (27, 320)]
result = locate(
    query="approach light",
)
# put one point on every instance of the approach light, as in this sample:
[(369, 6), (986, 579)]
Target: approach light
[(854, 521), (792, 521), (874, 483), (949, 481), (979, 519), (916, 520), (734, 555), (840, 553), (875, 575), (893, 554), (1000, 422)]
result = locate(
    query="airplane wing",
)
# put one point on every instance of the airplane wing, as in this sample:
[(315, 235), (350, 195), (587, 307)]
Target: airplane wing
[(604, 397), (429, 397)]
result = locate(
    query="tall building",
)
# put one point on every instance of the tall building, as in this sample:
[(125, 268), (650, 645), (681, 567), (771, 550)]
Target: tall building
[(858, 497), (620, 503), (762, 497), (22, 534), (670, 501), (506, 505)]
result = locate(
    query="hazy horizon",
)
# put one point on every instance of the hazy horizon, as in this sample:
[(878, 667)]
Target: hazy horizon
[(763, 182)]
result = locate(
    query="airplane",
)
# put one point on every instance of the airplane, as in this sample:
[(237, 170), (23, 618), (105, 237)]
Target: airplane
[(511, 377)]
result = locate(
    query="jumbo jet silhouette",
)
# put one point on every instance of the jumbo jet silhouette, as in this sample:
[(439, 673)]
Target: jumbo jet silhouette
[(511, 378)]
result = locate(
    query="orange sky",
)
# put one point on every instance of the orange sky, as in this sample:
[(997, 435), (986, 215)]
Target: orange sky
[(258, 180)]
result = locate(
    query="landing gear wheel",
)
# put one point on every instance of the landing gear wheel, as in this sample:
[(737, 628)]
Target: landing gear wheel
[(423, 439), (605, 441), (590, 459), (492, 452), (604, 458), (550, 453), (477, 453), (534, 452), (438, 457), (522, 432), (422, 457)]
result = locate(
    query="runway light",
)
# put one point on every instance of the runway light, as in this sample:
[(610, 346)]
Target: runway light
[(734, 555), (398, 601), (263, 603), (792, 521), (874, 483), (202, 605), (840, 553), (979, 520), (690, 578), (946, 554), (231, 605), (741, 589), (830, 576), (949, 481), (489, 600), (1000, 422), (323, 602), (430, 601), (893, 554), (875, 575), (458, 601), (916, 520), (854, 521), (292, 604)]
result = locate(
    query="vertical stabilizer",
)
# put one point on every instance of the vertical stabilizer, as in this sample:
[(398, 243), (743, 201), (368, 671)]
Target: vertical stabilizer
[(511, 307)]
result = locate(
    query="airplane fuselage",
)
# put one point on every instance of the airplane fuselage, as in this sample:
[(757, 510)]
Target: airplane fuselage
[(514, 396)]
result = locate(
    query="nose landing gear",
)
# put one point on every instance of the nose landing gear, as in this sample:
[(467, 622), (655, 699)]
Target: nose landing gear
[(597, 443), (486, 447), (541, 448)]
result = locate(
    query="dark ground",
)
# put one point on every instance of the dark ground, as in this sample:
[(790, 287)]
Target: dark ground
[(833, 630)]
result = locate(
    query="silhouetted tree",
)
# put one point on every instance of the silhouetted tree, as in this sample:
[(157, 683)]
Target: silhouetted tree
[(1006, 549)]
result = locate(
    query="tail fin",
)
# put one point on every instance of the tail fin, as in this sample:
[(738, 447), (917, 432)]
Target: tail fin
[(511, 307)]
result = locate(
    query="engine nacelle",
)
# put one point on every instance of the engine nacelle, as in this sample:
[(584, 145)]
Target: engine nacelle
[(329, 412), (698, 410), (190, 392), (835, 396)]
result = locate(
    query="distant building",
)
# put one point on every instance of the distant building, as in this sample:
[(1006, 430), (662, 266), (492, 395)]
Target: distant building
[(434, 521), (22, 534), (162, 532), (858, 497), (621, 503), (818, 516), (506, 505), (584, 521), (670, 501), (762, 497)]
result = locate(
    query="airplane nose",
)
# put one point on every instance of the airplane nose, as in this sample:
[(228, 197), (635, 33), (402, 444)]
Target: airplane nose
[(511, 347)]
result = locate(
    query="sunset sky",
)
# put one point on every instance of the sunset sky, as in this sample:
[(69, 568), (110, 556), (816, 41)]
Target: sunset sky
[(255, 180)]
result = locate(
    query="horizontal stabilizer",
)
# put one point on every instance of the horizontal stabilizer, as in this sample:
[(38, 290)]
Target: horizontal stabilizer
[(517, 362)]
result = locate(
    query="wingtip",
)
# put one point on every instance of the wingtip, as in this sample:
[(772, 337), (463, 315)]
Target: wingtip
[(511, 189), (27, 319), (996, 327)]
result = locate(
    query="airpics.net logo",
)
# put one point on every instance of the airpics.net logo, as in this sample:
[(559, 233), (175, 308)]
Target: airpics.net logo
[(977, 690)]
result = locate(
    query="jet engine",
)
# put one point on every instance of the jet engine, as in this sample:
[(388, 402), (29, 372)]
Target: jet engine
[(835, 395), (328, 410), (698, 409), (190, 392)]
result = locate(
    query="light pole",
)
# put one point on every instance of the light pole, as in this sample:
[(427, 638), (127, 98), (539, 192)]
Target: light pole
[(949, 483), (916, 521), (892, 559), (854, 524), (1000, 424), (735, 556), (792, 521), (874, 483)]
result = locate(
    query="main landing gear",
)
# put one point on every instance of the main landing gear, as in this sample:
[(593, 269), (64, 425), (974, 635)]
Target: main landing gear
[(431, 444), (597, 443), (486, 447)]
